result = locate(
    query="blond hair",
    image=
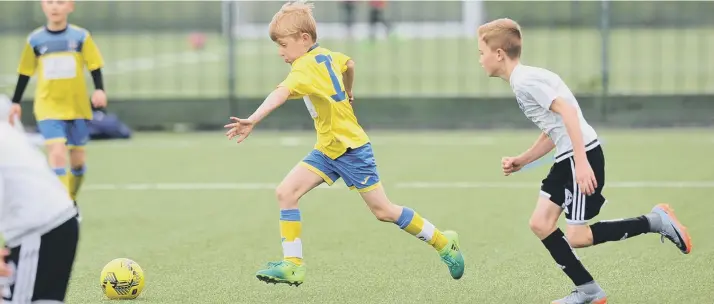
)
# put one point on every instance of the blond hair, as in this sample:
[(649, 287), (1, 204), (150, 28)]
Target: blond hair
[(293, 19), (502, 34)]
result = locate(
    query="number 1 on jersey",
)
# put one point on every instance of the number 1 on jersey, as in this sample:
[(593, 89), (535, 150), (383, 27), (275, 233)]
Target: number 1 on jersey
[(327, 60)]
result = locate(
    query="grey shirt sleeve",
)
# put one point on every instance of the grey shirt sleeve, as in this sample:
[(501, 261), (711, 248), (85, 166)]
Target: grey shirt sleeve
[(536, 90)]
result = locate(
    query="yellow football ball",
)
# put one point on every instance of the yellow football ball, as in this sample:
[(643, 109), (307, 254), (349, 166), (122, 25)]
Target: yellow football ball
[(122, 279)]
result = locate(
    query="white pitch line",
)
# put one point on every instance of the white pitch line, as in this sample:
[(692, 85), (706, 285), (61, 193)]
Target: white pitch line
[(410, 185)]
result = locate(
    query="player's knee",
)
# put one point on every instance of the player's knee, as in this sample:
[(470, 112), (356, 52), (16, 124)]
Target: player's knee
[(385, 215), (579, 236), (76, 163), (57, 155), (386, 212), (541, 227), (380, 205), (77, 158), (287, 197)]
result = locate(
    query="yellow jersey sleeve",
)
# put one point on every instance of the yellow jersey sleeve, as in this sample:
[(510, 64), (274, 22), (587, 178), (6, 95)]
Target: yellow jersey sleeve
[(340, 60), (298, 82), (28, 61), (90, 52)]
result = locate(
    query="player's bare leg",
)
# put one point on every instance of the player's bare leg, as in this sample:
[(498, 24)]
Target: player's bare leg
[(543, 223), (661, 220), (297, 183), (57, 154), (380, 205), (291, 269), (579, 236), (57, 158), (446, 243)]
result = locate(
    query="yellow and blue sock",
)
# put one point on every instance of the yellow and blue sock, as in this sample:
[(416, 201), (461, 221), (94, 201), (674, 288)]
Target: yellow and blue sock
[(418, 226), (290, 230), (75, 181), (62, 175)]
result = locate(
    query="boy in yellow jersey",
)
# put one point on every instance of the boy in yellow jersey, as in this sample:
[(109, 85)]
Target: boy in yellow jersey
[(57, 54), (323, 79)]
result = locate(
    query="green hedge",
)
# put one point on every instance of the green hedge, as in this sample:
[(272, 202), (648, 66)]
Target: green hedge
[(418, 113)]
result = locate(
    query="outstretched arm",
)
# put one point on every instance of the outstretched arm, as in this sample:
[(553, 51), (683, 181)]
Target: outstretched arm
[(276, 99), (296, 84), (241, 128), (542, 146)]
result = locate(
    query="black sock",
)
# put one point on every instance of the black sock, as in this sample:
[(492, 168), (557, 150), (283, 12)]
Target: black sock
[(617, 230), (565, 257)]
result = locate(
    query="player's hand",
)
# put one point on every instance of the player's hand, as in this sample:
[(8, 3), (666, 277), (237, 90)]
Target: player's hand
[(585, 177), (99, 99), (15, 111), (511, 165), (4, 269), (239, 128)]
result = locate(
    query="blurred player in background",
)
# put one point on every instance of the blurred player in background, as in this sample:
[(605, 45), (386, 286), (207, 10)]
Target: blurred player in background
[(577, 178), (349, 8), (57, 54), (324, 79), (37, 222), (376, 16)]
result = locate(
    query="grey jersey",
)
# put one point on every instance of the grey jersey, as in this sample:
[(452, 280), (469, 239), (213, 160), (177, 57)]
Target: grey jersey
[(535, 90), (32, 198)]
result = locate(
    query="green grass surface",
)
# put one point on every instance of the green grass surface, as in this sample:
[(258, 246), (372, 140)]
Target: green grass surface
[(147, 65), (199, 215)]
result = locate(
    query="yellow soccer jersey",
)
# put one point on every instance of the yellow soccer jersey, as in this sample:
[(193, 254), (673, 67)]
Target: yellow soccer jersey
[(58, 59), (317, 78)]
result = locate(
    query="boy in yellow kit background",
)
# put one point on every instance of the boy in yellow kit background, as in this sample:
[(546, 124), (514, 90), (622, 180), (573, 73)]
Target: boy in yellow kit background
[(57, 55)]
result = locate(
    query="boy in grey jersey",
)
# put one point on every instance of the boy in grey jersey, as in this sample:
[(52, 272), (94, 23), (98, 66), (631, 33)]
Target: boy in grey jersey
[(575, 182), (535, 90), (37, 222)]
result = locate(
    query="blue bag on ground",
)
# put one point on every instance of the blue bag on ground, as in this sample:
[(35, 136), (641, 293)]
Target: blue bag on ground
[(107, 126)]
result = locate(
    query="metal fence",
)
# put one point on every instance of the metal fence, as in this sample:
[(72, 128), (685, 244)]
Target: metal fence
[(218, 53)]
